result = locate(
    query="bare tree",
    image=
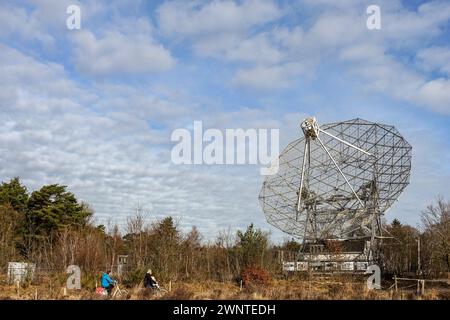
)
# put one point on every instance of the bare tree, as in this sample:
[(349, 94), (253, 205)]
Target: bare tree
[(436, 222)]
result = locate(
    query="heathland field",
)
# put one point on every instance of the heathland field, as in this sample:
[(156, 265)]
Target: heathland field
[(314, 287)]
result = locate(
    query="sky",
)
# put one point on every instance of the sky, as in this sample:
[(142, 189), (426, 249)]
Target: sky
[(94, 108)]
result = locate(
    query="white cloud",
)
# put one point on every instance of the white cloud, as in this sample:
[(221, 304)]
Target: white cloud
[(125, 45), (97, 141), (382, 73), (17, 69), (268, 77), (117, 53), (17, 23), (371, 56), (337, 34), (195, 19), (435, 59), (407, 26), (225, 30), (436, 94), (257, 49)]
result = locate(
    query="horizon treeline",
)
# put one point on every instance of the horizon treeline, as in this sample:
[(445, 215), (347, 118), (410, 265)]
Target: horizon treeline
[(52, 228)]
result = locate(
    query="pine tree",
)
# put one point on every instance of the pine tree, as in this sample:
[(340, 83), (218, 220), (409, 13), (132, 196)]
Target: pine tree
[(14, 194), (52, 208)]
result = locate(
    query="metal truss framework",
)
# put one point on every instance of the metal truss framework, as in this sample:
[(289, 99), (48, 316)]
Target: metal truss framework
[(337, 180)]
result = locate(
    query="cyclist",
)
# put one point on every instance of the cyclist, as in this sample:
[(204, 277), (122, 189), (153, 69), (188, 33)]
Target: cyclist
[(107, 282), (150, 281)]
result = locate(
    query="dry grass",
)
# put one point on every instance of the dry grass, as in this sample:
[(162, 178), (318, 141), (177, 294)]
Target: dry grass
[(287, 289)]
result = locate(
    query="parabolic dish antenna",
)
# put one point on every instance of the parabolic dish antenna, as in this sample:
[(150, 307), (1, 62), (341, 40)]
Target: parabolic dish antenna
[(337, 180)]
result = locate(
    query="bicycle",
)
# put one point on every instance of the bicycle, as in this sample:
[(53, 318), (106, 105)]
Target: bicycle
[(158, 291), (161, 290), (117, 292)]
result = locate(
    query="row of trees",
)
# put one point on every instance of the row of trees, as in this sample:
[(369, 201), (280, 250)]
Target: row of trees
[(29, 222), (425, 250), (52, 228)]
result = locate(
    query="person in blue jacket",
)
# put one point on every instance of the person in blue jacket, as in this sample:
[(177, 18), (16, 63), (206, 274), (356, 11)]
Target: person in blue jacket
[(107, 282)]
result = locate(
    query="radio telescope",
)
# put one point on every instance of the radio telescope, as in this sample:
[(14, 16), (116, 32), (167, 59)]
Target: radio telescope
[(337, 180)]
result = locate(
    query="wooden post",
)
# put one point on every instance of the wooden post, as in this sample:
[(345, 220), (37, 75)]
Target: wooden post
[(395, 283), (170, 286), (423, 286), (240, 286), (418, 287)]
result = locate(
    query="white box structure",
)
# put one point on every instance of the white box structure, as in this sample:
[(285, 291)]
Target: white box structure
[(347, 266), (361, 266), (20, 271), (288, 266)]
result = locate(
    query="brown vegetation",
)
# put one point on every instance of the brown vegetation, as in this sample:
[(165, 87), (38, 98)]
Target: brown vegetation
[(277, 289), (51, 229)]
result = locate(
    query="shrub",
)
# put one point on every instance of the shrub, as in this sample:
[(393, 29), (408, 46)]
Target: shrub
[(255, 275), (134, 277)]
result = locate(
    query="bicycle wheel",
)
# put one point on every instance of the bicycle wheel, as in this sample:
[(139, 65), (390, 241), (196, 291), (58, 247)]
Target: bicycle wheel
[(119, 294), (161, 290)]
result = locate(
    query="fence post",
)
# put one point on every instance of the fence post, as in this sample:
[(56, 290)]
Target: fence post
[(395, 282), (18, 288)]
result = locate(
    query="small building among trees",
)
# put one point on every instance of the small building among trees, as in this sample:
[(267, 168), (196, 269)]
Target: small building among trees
[(332, 255)]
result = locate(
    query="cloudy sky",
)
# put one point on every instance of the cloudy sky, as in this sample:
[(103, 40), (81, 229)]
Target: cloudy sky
[(94, 108)]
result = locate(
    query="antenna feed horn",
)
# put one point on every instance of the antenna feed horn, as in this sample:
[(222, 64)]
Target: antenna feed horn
[(310, 128)]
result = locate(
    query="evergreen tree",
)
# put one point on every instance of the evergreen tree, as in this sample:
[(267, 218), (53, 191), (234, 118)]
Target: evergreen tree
[(14, 194), (52, 208), (252, 243), (396, 223)]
